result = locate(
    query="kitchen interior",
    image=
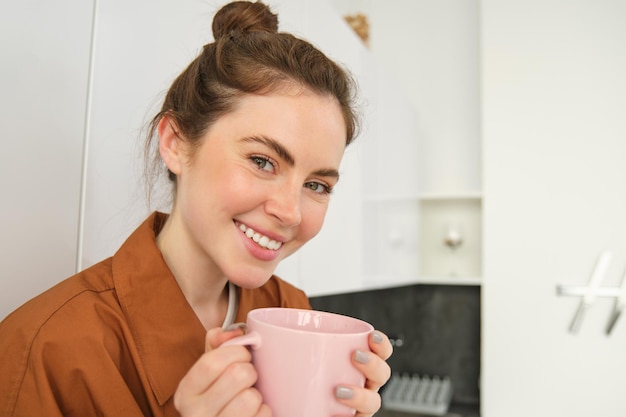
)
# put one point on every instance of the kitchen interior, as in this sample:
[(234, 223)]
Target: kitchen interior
[(473, 212), (434, 320)]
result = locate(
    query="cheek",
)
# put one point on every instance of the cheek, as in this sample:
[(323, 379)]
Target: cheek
[(313, 215), (226, 186)]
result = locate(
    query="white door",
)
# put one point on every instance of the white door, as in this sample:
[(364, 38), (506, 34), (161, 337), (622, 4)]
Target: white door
[(554, 129)]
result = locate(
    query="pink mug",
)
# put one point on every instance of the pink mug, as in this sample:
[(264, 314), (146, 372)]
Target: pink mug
[(301, 356)]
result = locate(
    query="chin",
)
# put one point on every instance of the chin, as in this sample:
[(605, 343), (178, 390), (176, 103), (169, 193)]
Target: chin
[(250, 280)]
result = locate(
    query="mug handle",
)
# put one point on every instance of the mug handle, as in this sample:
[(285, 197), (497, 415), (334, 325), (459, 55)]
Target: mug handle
[(252, 339)]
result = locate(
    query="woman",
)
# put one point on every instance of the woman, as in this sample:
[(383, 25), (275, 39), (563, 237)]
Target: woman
[(252, 134)]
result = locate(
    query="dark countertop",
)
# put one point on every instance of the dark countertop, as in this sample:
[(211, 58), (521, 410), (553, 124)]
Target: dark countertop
[(456, 410)]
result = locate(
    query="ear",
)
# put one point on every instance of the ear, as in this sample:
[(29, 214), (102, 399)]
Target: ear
[(170, 144)]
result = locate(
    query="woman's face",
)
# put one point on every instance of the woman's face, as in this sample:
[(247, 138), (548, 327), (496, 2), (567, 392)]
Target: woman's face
[(257, 188)]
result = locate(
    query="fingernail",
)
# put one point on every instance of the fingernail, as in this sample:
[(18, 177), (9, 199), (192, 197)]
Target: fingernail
[(361, 357), (236, 326), (377, 337), (344, 393)]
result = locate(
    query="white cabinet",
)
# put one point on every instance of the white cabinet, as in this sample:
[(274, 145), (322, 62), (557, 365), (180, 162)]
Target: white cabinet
[(554, 141), (43, 83), (431, 49), (444, 221), (420, 148)]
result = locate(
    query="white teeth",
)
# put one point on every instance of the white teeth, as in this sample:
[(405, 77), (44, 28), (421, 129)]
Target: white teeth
[(263, 241)]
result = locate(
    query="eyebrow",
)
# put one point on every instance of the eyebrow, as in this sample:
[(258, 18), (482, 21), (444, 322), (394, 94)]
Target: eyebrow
[(285, 155), (274, 145)]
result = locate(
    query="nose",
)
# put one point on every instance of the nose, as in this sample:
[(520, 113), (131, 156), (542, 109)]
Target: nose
[(284, 203)]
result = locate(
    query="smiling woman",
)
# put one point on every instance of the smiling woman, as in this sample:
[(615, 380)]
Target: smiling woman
[(251, 134), (250, 170)]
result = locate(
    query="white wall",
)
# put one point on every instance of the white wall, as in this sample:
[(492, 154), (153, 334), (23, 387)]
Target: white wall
[(140, 48), (43, 84)]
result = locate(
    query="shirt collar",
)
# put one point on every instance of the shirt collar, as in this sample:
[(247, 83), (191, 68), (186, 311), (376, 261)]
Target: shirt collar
[(169, 335)]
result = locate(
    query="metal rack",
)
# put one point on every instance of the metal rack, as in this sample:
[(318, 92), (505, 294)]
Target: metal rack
[(418, 394)]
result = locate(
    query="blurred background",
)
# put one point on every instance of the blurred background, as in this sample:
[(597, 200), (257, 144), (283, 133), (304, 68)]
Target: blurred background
[(487, 187)]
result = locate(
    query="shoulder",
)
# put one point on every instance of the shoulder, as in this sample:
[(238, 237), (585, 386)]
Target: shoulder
[(41, 309), (56, 325)]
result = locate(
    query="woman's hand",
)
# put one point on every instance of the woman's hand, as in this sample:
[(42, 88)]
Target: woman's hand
[(220, 383), (366, 401)]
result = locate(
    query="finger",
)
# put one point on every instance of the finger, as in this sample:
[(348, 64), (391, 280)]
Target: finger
[(209, 367), (248, 402), (366, 402), (376, 371), (196, 387), (215, 337), (379, 343), (233, 391), (264, 411)]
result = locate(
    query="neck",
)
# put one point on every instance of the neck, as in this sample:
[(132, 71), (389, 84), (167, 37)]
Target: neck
[(205, 289)]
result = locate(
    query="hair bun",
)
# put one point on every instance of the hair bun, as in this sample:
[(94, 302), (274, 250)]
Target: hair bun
[(244, 16)]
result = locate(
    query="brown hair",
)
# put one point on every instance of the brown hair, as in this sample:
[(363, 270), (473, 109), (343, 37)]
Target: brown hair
[(248, 56)]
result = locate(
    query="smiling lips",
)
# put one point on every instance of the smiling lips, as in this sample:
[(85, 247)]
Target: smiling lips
[(261, 240)]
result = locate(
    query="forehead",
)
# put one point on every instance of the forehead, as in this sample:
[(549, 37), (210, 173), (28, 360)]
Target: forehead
[(298, 118)]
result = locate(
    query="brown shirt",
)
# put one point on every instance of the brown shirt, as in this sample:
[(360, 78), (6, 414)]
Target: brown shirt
[(113, 340)]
